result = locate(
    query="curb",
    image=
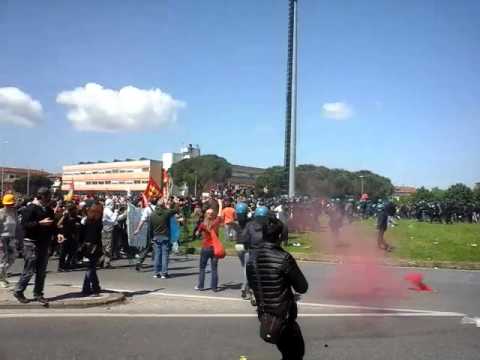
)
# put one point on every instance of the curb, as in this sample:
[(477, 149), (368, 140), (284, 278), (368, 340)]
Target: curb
[(112, 298)]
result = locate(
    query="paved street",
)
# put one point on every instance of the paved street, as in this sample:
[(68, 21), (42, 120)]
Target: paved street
[(167, 319)]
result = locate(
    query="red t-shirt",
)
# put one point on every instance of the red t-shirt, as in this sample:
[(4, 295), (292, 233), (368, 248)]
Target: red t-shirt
[(228, 215), (206, 234)]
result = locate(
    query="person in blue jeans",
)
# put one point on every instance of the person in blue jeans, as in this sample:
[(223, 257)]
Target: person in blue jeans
[(160, 222), (161, 244), (211, 224)]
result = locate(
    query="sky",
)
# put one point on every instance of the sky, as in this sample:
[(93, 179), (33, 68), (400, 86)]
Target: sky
[(388, 86)]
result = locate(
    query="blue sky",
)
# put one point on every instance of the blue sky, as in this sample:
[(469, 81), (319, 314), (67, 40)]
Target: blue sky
[(407, 71)]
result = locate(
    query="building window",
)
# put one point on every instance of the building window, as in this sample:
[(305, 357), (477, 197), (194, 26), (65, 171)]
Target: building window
[(138, 182)]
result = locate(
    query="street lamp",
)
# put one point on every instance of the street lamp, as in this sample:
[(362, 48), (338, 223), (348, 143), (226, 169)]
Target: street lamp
[(362, 177), (291, 116), (4, 142)]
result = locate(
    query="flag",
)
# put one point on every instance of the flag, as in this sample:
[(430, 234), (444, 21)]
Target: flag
[(152, 190), (165, 183), (69, 196)]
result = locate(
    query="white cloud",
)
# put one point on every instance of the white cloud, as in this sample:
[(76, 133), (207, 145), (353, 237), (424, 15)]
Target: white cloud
[(337, 110), (18, 108), (94, 108)]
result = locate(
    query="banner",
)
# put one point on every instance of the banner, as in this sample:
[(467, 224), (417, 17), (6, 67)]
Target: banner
[(134, 215)]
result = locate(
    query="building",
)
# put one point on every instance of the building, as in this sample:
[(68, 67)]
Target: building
[(188, 152), (244, 175), (403, 191), (116, 176), (10, 174)]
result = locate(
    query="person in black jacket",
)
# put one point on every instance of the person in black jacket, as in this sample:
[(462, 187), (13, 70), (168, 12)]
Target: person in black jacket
[(272, 274), (92, 248), (39, 229)]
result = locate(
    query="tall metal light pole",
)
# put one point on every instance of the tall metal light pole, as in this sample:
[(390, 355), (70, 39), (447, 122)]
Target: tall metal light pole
[(3, 143), (291, 115), (363, 185)]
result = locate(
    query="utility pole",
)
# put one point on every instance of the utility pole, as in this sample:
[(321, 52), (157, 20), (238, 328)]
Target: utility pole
[(3, 167), (291, 114), (362, 177), (28, 182)]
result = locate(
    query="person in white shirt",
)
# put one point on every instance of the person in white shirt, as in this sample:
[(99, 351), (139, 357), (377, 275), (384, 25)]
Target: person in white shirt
[(110, 219), (145, 221)]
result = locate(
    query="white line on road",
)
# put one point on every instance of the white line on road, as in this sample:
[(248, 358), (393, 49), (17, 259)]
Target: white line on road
[(307, 304), (226, 315)]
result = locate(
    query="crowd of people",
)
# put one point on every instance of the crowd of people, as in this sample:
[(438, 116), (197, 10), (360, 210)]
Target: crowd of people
[(88, 232), (92, 232)]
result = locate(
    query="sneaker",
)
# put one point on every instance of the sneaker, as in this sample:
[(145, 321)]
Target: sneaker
[(164, 276), (4, 284), (157, 276), (197, 288), (40, 299), (20, 297), (244, 295)]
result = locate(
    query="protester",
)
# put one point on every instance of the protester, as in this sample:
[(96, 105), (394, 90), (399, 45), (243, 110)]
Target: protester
[(160, 220), (382, 226), (273, 273), (145, 221), (69, 227), (39, 231), (110, 219), (8, 230), (92, 248), (229, 217), (209, 230)]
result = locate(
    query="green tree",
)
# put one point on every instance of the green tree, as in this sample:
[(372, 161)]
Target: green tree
[(36, 182), (459, 193), (320, 181), (202, 170), (271, 179), (422, 194)]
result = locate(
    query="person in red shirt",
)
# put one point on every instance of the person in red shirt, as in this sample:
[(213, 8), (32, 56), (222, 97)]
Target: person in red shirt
[(229, 218), (208, 229)]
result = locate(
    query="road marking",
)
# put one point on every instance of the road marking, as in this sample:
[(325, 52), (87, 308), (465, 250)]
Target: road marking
[(215, 315), (308, 304)]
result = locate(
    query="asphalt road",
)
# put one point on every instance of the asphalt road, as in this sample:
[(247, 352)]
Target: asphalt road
[(226, 338), (360, 311)]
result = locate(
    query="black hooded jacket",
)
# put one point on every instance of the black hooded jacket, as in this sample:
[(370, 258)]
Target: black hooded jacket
[(272, 274)]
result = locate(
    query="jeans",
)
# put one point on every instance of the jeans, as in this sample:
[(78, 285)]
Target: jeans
[(244, 256), (36, 261), (162, 250), (205, 255), (8, 254), (91, 284)]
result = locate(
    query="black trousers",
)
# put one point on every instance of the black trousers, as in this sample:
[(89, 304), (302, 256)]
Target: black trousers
[(68, 253), (36, 261), (291, 343)]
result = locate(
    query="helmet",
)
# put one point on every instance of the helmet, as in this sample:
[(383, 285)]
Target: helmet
[(241, 208), (261, 211), (8, 199)]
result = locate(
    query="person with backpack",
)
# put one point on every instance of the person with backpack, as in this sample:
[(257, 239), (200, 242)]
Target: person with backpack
[(274, 276), (211, 246)]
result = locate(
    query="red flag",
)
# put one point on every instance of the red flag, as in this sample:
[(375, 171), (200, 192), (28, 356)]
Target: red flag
[(152, 191)]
